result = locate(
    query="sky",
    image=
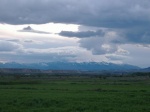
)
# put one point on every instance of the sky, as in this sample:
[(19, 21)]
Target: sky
[(113, 31)]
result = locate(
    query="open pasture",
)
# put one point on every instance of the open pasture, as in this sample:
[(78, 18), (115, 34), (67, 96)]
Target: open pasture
[(74, 94)]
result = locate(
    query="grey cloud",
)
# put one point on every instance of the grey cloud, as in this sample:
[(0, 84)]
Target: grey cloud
[(37, 55), (34, 57), (115, 57), (122, 52), (28, 41), (29, 29), (133, 36), (137, 35), (14, 40), (98, 46), (6, 46), (83, 34), (102, 13)]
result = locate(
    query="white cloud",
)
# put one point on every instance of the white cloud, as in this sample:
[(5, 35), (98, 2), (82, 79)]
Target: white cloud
[(138, 55)]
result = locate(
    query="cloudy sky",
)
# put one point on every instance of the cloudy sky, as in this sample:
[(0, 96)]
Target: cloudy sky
[(116, 31)]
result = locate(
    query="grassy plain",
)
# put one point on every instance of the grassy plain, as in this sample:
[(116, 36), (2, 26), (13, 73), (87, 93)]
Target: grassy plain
[(74, 94)]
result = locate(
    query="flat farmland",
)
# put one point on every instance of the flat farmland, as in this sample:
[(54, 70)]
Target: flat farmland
[(75, 94)]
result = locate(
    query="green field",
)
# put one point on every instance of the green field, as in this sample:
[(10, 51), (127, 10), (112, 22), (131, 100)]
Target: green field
[(74, 94)]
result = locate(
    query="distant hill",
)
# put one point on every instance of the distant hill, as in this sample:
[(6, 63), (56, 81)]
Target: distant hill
[(146, 69), (91, 66), (18, 70)]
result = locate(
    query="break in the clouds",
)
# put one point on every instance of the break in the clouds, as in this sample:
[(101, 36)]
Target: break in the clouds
[(29, 29), (104, 26)]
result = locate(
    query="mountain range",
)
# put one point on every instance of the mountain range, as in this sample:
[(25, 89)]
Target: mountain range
[(85, 66)]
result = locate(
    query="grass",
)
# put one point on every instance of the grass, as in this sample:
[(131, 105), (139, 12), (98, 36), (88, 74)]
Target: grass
[(74, 94)]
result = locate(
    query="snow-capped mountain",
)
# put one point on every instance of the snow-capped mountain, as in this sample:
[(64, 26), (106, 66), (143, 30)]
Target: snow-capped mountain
[(90, 66)]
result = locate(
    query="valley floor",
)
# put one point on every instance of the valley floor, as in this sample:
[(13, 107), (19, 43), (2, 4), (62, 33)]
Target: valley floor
[(75, 94)]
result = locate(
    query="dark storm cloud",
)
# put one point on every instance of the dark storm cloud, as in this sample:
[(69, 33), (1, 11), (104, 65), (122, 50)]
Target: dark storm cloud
[(83, 34), (29, 29), (138, 35), (103, 13)]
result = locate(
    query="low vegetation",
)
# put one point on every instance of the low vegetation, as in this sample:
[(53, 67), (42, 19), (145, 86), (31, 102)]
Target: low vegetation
[(56, 93)]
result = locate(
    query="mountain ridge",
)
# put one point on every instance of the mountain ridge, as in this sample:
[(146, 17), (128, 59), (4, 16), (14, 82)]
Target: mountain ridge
[(84, 66)]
